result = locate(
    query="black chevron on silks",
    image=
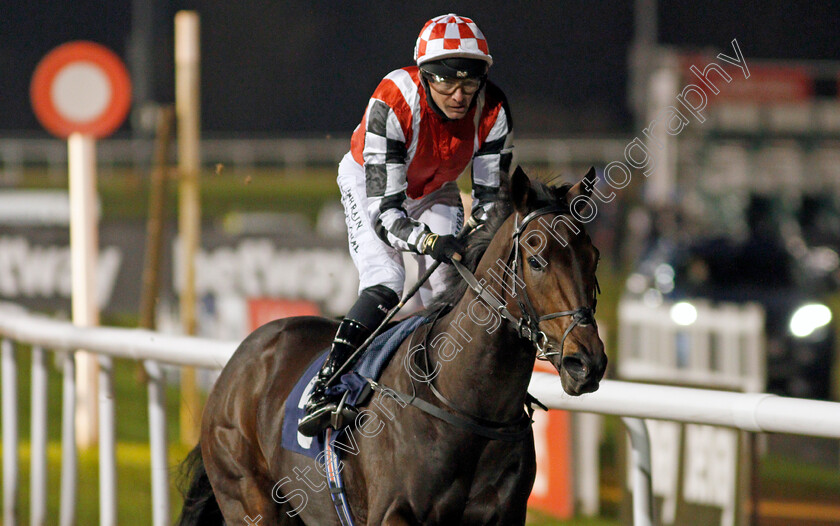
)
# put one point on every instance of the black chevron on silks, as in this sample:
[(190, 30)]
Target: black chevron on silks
[(377, 118), (376, 179)]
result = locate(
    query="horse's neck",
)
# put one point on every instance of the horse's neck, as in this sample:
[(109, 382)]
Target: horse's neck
[(491, 367), (489, 373)]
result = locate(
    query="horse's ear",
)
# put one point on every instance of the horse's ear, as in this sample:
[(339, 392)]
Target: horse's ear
[(584, 187), (520, 190)]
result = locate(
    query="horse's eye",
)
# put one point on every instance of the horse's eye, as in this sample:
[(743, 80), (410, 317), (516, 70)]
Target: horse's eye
[(535, 263)]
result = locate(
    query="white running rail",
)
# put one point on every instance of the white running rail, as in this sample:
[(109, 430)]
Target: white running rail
[(42, 334), (749, 412)]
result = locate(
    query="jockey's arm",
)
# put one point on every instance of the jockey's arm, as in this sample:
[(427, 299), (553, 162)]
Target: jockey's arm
[(491, 160), (385, 155), (393, 225)]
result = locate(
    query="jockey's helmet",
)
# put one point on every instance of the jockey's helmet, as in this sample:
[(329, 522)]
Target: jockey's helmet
[(452, 46)]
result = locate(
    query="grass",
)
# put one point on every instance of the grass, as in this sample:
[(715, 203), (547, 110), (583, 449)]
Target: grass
[(124, 194), (800, 480), (133, 483), (133, 460)]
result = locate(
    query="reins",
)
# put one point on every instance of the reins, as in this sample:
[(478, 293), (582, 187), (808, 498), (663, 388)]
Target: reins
[(463, 234), (527, 327)]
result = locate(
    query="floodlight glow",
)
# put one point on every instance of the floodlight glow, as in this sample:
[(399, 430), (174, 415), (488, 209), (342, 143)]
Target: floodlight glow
[(809, 318), (683, 313)]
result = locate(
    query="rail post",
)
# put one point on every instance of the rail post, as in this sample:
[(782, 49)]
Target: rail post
[(38, 455), (10, 433), (69, 456), (157, 443), (641, 476)]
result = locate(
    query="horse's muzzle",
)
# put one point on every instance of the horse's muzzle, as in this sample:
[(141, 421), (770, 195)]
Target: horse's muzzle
[(581, 371)]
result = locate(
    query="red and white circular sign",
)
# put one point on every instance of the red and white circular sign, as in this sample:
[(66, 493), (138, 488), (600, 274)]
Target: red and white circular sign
[(81, 87)]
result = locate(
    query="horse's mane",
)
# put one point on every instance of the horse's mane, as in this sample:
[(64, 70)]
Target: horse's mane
[(542, 194)]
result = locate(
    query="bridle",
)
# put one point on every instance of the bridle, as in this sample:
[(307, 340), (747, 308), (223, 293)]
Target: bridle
[(528, 325)]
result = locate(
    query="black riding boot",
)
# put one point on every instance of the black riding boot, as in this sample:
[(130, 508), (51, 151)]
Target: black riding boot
[(349, 336), (365, 315)]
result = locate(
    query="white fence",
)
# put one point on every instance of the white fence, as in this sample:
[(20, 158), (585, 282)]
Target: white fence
[(695, 344), (17, 153), (692, 343), (48, 335), (751, 412)]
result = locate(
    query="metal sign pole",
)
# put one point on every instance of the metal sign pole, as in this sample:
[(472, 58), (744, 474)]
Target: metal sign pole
[(84, 250), (81, 91)]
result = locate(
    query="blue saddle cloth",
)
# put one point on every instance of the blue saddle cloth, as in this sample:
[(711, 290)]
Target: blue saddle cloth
[(370, 365)]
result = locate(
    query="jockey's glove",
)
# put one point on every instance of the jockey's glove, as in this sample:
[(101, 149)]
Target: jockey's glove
[(443, 248)]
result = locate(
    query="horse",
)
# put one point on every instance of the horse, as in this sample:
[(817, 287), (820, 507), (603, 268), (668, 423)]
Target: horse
[(528, 289)]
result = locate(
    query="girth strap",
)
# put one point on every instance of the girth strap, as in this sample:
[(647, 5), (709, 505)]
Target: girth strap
[(335, 481), (505, 431)]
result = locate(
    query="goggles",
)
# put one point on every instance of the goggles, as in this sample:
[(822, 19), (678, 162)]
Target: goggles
[(448, 85)]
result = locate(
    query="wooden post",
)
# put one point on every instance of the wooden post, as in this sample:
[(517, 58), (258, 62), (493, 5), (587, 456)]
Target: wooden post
[(158, 186), (189, 212), (84, 251)]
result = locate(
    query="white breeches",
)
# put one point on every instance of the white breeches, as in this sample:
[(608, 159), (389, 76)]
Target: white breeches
[(377, 262)]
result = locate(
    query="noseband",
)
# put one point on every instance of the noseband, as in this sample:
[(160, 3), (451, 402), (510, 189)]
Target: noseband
[(528, 326)]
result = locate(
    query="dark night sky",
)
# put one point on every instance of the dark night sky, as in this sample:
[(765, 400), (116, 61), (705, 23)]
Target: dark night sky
[(283, 68)]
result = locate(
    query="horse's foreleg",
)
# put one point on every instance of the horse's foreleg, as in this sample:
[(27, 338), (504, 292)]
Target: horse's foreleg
[(499, 496)]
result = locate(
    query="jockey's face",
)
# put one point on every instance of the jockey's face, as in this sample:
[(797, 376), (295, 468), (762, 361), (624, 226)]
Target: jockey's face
[(454, 105)]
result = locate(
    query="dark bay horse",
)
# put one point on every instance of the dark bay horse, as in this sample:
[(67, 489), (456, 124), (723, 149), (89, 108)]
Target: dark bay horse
[(416, 468)]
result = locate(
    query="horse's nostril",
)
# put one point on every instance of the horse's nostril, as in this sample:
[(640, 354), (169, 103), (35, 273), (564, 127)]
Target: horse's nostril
[(575, 367), (602, 365)]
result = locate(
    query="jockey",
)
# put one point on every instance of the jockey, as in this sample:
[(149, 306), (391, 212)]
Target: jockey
[(422, 127)]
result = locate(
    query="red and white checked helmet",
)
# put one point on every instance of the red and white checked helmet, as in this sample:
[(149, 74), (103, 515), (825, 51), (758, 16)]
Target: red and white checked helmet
[(449, 36)]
